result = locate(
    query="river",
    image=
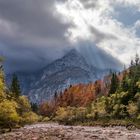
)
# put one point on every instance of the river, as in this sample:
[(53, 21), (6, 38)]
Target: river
[(53, 131)]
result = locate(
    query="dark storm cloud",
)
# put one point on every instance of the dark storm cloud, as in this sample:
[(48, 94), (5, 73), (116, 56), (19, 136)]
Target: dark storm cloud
[(33, 17), (31, 33)]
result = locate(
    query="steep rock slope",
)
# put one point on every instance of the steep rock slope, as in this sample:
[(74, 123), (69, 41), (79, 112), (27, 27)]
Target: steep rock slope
[(71, 69)]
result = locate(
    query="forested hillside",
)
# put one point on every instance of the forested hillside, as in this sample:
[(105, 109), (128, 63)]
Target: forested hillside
[(116, 97), (113, 100)]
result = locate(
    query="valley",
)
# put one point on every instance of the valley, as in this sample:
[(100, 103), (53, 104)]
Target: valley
[(69, 69)]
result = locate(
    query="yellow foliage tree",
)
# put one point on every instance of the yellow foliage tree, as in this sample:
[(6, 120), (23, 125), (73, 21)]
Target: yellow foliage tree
[(8, 113), (24, 105), (132, 109), (29, 117)]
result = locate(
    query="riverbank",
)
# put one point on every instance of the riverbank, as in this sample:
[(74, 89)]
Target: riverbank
[(53, 131), (128, 123)]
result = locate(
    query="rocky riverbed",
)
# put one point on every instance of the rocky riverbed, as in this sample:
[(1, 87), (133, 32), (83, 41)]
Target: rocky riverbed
[(54, 131)]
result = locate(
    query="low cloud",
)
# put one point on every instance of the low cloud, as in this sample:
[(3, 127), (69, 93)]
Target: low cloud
[(31, 33)]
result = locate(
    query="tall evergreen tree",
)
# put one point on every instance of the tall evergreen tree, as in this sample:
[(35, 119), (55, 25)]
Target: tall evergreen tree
[(34, 107), (114, 83), (137, 60), (2, 84), (15, 86), (124, 82), (134, 74)]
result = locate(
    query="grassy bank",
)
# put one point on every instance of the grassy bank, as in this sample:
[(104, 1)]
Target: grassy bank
[(129, 124)]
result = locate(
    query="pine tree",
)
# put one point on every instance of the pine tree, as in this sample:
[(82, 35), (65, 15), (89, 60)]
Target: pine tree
[(34, 107), (114, 84), (15, 86), (124, 82), (2, 85), (137, 60), (1, 70), (134, 75), (55, 97)]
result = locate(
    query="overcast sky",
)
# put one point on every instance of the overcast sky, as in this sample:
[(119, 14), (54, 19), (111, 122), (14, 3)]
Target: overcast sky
[(36, 32)]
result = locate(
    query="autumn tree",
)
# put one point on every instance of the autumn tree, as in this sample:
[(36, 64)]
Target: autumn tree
[(97, 88), (8, 114)]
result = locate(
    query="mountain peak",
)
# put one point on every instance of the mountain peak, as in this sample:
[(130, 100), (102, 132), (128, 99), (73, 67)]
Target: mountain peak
[(73, 52), (71, 69)]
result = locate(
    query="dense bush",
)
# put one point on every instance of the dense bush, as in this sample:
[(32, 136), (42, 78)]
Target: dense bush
[(29, 117), (45, 119), (69, 115)]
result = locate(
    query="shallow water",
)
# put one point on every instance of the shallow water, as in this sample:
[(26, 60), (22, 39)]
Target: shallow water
[(53, 131)]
